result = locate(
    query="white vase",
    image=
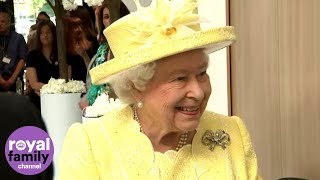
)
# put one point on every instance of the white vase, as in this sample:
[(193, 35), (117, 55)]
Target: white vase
[(59, 112)]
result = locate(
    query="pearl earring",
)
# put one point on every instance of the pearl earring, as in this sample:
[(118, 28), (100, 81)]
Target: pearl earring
[(140, 104)]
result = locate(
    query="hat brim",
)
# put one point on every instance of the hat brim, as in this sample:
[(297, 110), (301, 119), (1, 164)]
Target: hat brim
[(210, 40)]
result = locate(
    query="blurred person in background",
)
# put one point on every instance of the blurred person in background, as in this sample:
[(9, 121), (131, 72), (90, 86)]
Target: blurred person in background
[(42, 62), (32, 36), (13, 53), (81, 42), (102, 16), (32, 42)]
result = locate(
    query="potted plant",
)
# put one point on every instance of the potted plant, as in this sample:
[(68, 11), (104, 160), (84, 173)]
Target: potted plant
[(59, 110)]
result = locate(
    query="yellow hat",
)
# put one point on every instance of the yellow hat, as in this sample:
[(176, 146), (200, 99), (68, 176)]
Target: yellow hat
[(163, 29)]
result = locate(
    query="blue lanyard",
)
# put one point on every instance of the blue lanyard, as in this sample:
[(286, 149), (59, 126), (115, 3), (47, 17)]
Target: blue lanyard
[(4, 41)]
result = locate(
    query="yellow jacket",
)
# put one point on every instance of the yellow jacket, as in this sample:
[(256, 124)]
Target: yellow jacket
[(112, 147)]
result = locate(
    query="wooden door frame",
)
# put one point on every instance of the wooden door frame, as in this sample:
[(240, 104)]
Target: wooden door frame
[(228, 62)]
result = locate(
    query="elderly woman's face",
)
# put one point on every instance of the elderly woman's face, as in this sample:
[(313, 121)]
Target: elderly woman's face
[(178, 94)]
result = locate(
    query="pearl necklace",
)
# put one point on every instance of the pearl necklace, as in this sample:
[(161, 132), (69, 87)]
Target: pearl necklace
[(183, 137)]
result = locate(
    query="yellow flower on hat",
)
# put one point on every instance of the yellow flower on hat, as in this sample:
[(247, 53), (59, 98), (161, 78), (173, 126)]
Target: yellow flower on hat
[(162, 20)]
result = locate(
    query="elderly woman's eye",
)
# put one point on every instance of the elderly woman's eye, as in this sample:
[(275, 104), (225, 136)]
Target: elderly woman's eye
[(180, 78), (203, 73)]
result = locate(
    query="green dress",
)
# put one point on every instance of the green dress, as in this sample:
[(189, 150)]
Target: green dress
[(97, 90)]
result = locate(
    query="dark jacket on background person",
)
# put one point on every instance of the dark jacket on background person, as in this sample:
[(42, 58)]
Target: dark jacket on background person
[(16, 49)]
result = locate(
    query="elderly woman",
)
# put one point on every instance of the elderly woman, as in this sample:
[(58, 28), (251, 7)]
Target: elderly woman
[(162, 131)]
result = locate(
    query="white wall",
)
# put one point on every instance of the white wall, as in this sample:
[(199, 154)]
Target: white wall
[(215, 12), (131, 5)]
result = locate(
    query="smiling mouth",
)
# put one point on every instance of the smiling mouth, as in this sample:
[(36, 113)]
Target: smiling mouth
[(188, 109)]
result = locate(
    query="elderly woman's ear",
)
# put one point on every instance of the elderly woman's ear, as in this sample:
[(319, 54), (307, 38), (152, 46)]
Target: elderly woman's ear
[(136, 94)]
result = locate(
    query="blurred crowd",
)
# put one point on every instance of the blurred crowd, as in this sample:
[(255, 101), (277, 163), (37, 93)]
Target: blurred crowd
[(26, 66)]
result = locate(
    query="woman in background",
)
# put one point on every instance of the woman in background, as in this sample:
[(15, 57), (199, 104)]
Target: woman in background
[(32, 36), (81, 42), (42, 63), (102, 14)]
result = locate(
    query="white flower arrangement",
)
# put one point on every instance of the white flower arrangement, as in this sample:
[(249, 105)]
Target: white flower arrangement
[(102, 105), (94, 2), (60, 86), (70, 5)]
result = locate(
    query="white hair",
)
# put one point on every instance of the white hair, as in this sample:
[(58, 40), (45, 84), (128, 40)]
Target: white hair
[(137, 77)]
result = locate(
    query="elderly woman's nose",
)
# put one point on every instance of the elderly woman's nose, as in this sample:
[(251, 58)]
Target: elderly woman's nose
[(195, 90)]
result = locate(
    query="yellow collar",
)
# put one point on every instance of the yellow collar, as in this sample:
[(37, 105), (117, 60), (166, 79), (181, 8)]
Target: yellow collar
[(137, 155)]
